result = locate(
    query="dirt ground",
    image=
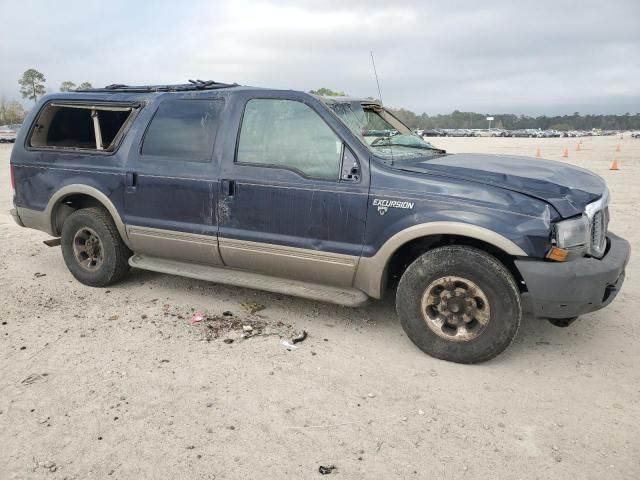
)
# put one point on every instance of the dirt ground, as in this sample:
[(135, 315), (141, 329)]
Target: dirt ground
[(117, 383)]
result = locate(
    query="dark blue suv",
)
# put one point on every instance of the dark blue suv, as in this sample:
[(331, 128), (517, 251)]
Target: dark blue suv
[(332, 199)]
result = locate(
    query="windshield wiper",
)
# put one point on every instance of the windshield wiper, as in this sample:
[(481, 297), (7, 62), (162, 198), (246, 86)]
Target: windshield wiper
[(391, 144)]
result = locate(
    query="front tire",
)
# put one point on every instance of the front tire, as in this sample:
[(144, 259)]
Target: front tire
[(459, 304), (92, 248)]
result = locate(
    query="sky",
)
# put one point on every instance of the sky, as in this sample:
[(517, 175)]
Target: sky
[(533, 58)]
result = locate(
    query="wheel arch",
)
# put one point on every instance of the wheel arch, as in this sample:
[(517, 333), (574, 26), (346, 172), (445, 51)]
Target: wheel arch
[(72, 197), (393, 257)]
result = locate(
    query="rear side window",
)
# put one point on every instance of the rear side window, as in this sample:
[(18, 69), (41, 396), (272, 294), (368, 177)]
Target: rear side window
[(79, 126), (289, 134), (183, 129)]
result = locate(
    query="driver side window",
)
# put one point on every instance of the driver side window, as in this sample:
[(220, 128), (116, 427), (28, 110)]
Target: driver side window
[(289, 134)]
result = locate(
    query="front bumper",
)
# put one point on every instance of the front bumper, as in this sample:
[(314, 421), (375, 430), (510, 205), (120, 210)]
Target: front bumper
[(569, 289)]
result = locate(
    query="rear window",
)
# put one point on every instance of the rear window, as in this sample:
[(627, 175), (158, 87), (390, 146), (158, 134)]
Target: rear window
[(183, 129), (80, 126)]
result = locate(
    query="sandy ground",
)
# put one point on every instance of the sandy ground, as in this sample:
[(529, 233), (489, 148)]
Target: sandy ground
[(118, 384)]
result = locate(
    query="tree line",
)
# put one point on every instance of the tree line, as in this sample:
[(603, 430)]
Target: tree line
[(32, 86), (509, 121)]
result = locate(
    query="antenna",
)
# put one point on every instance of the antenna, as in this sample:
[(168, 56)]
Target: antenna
[(375, 72), (373, 62)]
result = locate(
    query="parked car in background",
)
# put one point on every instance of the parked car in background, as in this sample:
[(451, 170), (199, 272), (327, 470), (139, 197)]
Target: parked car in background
[(525, 133), (8, 133), (549, 134), (458, 132), (434, 132), (635, 134), (479, 132), (577, 133)]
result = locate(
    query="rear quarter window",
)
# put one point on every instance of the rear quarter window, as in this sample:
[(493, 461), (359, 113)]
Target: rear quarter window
[(80, 126), (183, 130)]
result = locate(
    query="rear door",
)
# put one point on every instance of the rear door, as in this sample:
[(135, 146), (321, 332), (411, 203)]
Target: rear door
[(293, 198), (171, 182)]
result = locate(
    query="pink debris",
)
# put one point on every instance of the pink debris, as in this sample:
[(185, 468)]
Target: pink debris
[(197, 318)]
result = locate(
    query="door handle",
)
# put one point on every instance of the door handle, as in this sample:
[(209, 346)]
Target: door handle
[(131, 181), (228, 188)]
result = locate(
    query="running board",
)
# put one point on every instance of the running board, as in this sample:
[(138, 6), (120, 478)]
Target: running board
[(349, 297)]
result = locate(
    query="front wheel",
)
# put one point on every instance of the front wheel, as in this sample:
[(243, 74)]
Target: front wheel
[(459, 304), (92, 248)]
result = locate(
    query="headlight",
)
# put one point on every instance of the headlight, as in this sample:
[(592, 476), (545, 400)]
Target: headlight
[(582, 235), (573, 234)]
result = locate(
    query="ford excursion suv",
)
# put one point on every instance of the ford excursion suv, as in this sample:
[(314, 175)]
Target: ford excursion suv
[(332, 199)]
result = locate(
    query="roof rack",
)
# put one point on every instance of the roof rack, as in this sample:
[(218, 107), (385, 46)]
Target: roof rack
[(184, 87)]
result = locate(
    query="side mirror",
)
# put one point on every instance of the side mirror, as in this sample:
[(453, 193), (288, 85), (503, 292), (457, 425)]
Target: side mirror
[(350, 166)]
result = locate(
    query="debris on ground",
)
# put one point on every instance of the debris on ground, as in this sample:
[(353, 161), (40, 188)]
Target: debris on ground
[(49, 465), (300, 338), (291, 345), (214, 326), (288, 345), (252, 307), (326, 470), (197, 318), (44, 420), (38, 274), (34, 377), (218, 325)]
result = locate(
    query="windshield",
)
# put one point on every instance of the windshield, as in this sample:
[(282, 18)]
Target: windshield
[(384, 134)]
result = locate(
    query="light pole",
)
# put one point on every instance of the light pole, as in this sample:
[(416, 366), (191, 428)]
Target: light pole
[(489, 120)]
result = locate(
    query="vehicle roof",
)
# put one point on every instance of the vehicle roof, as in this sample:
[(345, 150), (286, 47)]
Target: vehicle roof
[(193, 85), (344, 99), (135, 93), (128, 93)]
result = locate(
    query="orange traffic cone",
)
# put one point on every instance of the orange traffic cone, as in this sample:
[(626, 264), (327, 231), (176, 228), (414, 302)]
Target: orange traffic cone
[(618, 148), (566, 153), (614, 165), (538, 153)]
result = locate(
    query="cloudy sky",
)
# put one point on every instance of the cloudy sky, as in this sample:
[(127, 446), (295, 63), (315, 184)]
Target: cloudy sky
[(536, 57)]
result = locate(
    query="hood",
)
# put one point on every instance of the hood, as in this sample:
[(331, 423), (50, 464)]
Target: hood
[(567, 188)]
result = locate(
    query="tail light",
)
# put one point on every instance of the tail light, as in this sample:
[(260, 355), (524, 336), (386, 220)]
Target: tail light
[(13, 180)]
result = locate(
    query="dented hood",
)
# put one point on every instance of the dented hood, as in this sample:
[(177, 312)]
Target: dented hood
[(567, 188)]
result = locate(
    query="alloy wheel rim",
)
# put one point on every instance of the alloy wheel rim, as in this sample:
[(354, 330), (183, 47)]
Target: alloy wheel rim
[(455, 309), (87, 249)]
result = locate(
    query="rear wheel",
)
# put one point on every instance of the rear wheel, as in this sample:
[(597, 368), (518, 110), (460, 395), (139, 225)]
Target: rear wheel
[(92, 248), (459, 304)]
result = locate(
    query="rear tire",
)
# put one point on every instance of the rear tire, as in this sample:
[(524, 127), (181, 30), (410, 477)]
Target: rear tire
[(93, 249), (459, 304)]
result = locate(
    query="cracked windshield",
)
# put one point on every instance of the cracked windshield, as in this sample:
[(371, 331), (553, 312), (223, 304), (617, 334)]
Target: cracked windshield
[(384, 134)]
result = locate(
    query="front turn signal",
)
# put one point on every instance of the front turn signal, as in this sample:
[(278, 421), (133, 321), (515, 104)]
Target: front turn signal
[(558, 254)]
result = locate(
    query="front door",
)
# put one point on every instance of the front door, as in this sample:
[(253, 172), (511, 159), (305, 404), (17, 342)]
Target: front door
[(292, 201), (171, 183)]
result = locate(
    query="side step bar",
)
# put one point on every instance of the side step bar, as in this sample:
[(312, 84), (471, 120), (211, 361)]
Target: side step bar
[(349, 297)]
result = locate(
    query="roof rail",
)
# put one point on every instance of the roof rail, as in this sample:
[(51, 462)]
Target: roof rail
[(184, 87)]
